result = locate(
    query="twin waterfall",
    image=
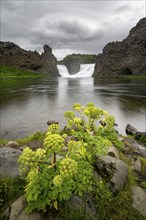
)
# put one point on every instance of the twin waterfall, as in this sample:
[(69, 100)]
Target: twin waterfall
[(86, 70)]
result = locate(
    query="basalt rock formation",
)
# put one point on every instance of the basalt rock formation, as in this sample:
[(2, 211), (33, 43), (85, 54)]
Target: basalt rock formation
[(73, 61), (13, 55), (127, 57)]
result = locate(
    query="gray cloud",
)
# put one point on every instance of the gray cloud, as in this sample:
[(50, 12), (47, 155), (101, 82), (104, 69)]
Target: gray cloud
[(68, 26)]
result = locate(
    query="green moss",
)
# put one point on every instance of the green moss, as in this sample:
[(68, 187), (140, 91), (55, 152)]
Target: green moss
[(125, 159), (2, 142), (143, 164), (9, 73), (37, 136)]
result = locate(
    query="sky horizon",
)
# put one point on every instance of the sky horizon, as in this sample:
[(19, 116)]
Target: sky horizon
[(68, 27)]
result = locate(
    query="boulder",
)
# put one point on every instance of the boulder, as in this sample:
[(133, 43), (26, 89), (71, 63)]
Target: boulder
[(8, 162), (139, 200), (113, 152), (119, 173), (18, 211), (12, 144), (127, 57), (131, 130)]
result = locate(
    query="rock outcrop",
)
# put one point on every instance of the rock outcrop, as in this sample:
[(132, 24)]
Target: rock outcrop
[(13, 55), (9, 162), (73, 61), (127, 57)]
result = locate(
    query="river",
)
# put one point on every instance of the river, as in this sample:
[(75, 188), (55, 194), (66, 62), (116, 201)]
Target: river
[(27, 105)]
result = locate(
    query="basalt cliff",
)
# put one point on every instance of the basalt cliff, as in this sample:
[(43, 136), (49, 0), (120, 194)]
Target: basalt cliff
[(13, 55), (127, 57), (73, 61)]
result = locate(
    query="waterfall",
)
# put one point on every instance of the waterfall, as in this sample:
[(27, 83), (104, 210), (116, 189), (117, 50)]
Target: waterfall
[(86, 70)]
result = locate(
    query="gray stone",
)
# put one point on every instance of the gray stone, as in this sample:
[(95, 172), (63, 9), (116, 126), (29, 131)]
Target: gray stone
[(139, 199), (118, 180), (12, 144), (113, 152), (84, 203), (9, 162), (136, 165), (18, 211)]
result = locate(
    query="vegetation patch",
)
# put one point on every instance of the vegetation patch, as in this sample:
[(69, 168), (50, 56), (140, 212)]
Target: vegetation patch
[(10, 190), (8, 73)]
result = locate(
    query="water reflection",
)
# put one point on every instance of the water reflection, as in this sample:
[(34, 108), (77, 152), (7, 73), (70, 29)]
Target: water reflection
[(27, 105)]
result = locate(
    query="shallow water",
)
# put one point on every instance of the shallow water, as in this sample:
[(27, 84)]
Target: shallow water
[(27, 105)]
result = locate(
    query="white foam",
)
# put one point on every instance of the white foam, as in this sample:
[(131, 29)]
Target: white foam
[(86, 70)]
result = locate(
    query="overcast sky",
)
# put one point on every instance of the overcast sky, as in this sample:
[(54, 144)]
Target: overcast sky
[(68, 26)]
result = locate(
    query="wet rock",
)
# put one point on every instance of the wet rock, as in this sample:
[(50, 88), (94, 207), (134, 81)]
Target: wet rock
[(8, 162), (52, 122), (139, 199), (131, 130), (119, 177)]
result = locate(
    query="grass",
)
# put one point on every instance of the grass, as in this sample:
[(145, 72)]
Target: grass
[(36, 136), (134, 76), (10, 190), (3, 142), (119, 207), (7, 73)]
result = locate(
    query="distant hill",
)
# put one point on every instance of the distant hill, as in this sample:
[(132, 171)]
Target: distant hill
[(13, 55), (127, 57), (73, 61)]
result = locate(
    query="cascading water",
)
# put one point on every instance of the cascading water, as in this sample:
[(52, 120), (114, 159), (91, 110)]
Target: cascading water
[(86, 70)]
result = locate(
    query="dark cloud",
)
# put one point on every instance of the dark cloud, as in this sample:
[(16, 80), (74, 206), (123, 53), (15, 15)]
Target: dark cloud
[(68, 26)]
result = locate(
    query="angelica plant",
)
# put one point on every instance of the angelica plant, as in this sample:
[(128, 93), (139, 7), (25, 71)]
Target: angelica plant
[(51, 180)]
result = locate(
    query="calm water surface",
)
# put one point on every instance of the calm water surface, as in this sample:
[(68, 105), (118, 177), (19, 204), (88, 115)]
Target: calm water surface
[(27, 105)]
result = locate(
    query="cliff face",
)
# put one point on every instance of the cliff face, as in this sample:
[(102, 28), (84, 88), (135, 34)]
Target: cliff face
[(127, 57), (73, 61), (12, 55)]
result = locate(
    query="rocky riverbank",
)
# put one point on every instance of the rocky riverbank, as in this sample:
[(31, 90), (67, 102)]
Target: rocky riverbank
[(122, 169)]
